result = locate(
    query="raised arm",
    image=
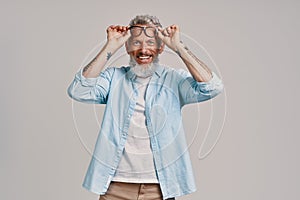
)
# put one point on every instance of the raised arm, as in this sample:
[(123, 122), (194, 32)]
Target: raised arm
[(91, 84), (198, 69), (116, 37)]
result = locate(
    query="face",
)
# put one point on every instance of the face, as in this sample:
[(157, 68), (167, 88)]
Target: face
[(142, 48)]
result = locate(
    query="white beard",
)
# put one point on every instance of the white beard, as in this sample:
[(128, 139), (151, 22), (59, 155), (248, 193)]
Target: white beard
[(145, 70)]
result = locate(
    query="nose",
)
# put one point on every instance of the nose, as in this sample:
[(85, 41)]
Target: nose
[(143, 47)]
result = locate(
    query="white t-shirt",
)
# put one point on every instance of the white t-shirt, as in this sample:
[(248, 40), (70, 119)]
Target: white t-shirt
[(137, 165)]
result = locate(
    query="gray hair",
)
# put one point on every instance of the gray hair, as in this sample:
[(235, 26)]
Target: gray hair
[(144, 20), (147, 20)]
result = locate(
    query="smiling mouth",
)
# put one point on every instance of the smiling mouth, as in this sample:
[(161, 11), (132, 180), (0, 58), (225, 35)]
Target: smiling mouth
[(144, 57)]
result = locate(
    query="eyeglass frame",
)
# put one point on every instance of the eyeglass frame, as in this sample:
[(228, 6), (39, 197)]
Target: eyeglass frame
[(144, 30)]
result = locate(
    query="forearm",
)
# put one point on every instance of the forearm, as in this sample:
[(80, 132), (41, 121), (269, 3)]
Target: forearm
[(196, 67), (94, 68)]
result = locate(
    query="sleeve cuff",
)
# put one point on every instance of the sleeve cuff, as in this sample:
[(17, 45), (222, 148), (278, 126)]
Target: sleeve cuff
[(85, 81), (215, 83)]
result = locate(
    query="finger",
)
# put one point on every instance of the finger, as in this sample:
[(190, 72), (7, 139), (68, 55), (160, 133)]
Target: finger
[(117, 28), (122, 29), (126, 30), (114, 29), (159, 33), (175, 28), (110, 28), (127, 35), (169, 30), (165, 32)]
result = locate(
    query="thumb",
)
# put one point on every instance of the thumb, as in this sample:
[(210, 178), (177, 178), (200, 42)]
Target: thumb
[(126, 35), (159, 33)]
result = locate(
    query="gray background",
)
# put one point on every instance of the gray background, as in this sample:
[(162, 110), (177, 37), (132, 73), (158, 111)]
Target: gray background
[(254, 44)]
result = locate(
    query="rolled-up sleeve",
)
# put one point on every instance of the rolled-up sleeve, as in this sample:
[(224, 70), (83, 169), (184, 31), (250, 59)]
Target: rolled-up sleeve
[(192, 91), (91, 90)]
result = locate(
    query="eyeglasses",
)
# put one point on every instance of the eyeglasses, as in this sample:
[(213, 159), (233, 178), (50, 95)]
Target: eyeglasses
[(148, 30)]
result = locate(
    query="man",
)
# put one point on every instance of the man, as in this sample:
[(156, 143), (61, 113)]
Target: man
[(141, 152)]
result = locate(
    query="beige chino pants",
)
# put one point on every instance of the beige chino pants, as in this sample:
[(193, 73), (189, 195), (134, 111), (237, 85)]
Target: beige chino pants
[(133, 191)]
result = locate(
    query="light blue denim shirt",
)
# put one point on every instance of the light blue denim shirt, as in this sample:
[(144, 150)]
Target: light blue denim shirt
[(168, 91)]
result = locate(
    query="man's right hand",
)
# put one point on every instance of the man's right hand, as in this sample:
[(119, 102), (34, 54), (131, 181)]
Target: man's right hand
[(117, 36)]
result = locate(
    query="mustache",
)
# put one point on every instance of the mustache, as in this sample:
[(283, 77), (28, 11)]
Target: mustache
[(144, 54)]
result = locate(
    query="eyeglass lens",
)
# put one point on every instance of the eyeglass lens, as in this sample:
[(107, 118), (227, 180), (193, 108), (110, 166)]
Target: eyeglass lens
[(137, 30)]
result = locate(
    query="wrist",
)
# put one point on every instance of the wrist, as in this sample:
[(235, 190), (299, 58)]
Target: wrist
[(179, 47), (110, 47)]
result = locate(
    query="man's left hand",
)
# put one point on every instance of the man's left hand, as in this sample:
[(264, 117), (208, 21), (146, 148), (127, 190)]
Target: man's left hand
[(170, 36)]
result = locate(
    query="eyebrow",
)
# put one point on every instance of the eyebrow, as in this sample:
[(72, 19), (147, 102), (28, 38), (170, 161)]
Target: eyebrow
[(150, 39)]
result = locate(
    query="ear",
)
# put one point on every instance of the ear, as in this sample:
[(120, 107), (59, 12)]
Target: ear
[(161, 48), (126, 46)]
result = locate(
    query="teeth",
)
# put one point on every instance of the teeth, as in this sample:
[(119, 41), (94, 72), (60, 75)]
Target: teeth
[(144, 57)]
